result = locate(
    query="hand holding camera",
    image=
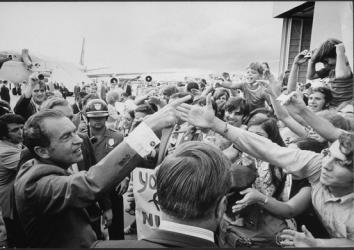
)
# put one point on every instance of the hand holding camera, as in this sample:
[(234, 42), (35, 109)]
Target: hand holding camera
[(302, 57)]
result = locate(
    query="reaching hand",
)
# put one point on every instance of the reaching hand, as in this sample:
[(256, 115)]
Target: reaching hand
[(252, 196), (165, 117), (300, 58), (122, 187), (202, 117), (293, 238), (33, 80), (340, 49), (108, 217), (154, 99), (295, 102)]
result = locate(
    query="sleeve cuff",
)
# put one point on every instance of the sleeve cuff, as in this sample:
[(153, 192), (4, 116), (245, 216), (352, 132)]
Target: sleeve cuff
[(142, 139)]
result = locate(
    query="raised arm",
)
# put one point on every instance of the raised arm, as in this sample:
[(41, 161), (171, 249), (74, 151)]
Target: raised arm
[(322, 126), (343, 70), (301, 163), (298, 60)]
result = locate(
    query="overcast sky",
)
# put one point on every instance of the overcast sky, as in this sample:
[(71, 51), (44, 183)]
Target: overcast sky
[(146, 36)]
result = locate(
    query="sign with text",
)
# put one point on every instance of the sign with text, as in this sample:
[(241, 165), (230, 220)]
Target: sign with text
[(147, 213)]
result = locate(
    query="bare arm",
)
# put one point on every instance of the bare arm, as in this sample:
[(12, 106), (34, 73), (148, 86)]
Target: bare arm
[(322, 126), (343, 70), (288, 209), (298, 60), (231, 85), (289, 121)]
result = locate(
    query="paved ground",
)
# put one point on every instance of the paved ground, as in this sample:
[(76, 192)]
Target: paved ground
[(127, 217)]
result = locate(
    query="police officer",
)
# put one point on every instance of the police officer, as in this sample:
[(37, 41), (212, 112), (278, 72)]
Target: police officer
[(103, 141)]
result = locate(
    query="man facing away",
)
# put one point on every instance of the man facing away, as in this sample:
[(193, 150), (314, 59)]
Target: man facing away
[(191, 187)]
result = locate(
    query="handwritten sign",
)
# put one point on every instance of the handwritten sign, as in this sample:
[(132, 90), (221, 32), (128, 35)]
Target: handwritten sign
[(147, 210)]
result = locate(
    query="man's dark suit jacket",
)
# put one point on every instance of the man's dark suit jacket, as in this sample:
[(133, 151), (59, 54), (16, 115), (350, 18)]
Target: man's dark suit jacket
[(158, 239), (25, 107)]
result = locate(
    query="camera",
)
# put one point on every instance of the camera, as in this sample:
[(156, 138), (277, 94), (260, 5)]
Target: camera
[(308, 55)]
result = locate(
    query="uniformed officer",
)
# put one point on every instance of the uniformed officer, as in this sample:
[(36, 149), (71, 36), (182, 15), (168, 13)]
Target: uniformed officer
[(104, 140)]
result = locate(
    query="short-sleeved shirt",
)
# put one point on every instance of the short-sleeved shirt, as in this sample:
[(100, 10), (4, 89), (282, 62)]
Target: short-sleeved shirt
[(342, 89), (255, 97)]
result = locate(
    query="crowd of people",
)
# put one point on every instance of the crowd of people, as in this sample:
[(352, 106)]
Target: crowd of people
[(260, 161)]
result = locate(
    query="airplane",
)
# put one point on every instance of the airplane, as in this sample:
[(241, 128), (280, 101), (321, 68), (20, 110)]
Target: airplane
[(16, 67)]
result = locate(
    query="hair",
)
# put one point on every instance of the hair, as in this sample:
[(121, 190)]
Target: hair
[(266, 64), (33, 132), (112, 97), (326, 92), (89, 97), (191, 181), (169, 90), (257, 67), (5, 108), (270, 126), (256, 114), (335, 118), (346, 144), (7, 119), (52, 102), (327, 50), (310, 144), (145, 108), (192, 85), (237, 103), (220, 92)]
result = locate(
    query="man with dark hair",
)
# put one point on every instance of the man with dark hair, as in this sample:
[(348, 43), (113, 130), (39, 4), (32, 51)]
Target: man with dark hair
[(191, 186), (10, 149), (88, 160), (51, 201), (32, 98)]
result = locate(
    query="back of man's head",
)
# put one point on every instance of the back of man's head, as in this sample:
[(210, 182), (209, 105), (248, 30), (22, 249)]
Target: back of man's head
[(192, 181)]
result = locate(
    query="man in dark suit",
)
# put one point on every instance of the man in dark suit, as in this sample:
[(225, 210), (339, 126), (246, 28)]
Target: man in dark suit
[(191, 187), (50, 200)]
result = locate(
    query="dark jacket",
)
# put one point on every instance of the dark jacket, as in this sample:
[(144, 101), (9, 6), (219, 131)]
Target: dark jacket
[(5, 94), (158, 239), (25, 107), (51, 203)]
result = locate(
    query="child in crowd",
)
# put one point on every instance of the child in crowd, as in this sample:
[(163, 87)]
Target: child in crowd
[(253, 91)]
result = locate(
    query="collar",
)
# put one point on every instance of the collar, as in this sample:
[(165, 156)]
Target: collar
[(10, 144), (340, 200), (186, 229)]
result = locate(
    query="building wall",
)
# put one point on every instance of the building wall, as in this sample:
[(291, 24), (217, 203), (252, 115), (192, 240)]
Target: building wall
[(334, 20), (296, 37), (281, 7)]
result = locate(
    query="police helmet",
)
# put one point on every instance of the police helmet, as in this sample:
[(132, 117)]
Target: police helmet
[(96, 108)]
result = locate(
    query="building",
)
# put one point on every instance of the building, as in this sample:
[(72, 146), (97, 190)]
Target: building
[(306, 24)]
